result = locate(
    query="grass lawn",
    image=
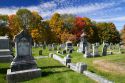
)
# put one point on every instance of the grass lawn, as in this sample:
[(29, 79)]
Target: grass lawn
[(111, 67), (52, 72)]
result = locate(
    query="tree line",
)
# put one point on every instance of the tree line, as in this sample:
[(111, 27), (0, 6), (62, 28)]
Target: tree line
[(59, 28)]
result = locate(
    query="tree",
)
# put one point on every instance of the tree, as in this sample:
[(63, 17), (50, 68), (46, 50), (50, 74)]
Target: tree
[(25, 16), (56, 24), (65, 36), (108, 32), (123, 34), (68, 20), (14, 25), (3, 25)]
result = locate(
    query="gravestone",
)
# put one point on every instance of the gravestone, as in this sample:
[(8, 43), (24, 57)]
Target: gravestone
[(44, 46), (5, 53), (87, 52), (70, 51), (109, 49), (62, 46), (104, 50), (64, 52), (83, 43), (54, 46), (95, 52), (49, 47), (23, 67), (69, 46), (40, 52), (81, 67), (67, 59)]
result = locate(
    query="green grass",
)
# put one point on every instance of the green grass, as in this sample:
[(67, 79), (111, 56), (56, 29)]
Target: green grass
[(35, 51), (116, 58), (3, 70), (54, 72)]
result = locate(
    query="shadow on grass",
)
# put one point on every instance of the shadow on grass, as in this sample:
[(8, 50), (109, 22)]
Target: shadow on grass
[(52, 67), (49, 71), (46, 73), (3, 70)]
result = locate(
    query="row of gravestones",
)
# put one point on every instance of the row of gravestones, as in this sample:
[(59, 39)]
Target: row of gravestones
[(23, 66), (85, 48)]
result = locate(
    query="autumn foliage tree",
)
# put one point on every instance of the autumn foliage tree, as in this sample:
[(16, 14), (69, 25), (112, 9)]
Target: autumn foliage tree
[(59, 28), (123, 34), (56, 26), (14, 26)]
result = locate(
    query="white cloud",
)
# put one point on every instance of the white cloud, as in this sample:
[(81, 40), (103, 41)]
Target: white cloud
[(112, 19), (48, 5), (85, 9), (40, 8)]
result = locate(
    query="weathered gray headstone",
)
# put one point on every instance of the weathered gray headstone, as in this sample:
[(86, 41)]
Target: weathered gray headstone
[(83, 43), (95, 52), (49, 47), (23, 67), (104, 50), (87, 52), (62, 46), (5, 53), (81, 67)]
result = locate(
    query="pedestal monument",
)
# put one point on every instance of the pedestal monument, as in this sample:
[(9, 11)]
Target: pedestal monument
[(83, 43), (24, 66), (5, 53)]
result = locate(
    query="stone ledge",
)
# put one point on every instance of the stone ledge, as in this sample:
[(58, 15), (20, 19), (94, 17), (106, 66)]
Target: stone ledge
[(24, 75), (6, 58)]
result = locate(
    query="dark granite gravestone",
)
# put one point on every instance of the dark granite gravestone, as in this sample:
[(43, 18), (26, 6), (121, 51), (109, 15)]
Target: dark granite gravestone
[(70, 51), (40, 52), (5, 53), (23, 67), (54, 46), (104, 50), (69, 46), (44, 46), (64, 52)]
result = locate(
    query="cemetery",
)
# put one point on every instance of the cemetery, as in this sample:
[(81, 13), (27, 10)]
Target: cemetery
[(62, 49)]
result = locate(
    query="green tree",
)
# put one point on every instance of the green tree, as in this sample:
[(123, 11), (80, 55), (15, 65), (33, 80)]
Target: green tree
[(3, 25)]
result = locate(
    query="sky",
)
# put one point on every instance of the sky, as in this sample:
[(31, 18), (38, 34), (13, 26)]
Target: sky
[(97, 10)]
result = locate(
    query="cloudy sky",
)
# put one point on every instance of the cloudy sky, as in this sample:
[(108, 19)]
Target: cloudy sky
[(98, 10)]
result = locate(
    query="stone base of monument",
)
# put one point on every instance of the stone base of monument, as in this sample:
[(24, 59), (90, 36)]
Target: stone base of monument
[(6, 58), (23, 75), (95, 55)]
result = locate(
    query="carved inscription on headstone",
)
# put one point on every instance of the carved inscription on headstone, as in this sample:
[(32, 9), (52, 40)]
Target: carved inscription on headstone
[(23, 47)]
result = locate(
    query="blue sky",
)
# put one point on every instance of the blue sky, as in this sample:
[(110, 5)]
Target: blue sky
[(98, 10)]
